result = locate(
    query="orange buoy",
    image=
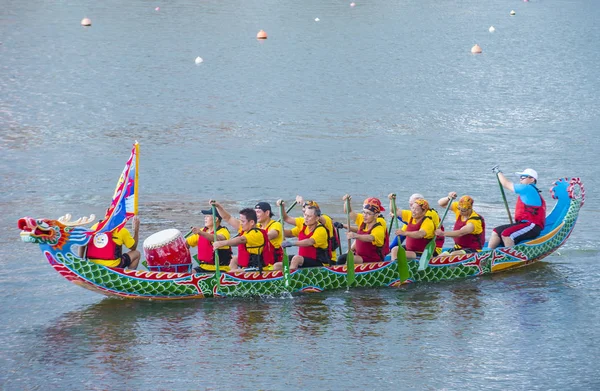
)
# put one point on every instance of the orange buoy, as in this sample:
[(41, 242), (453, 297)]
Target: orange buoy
[(86, 22), (261, 35), (476, 49)]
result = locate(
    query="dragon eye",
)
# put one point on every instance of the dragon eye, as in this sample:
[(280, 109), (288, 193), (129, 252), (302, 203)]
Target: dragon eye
[(43, 224)]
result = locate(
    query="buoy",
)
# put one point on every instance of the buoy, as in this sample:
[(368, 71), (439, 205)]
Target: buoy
[(513, 12), (198, 60), (86, 22), (492, 29), (352, 4), (317, 19), (261, 35), (157, 9), (476, 49)]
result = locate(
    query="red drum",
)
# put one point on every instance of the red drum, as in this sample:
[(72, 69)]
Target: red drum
[(166, 251)]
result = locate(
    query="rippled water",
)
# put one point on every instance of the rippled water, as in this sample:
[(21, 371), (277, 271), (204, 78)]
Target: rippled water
[(378, 98)]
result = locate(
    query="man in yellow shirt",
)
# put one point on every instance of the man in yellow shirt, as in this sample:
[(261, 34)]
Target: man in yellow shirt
[(250, 240), (105, 248), (273, 227), (324, 219), (312, 243)]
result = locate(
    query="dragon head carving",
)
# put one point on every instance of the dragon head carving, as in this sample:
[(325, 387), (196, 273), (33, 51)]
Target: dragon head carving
[(55, 233)]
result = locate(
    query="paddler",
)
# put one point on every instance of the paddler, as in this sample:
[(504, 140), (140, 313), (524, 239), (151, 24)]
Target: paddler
[(324, 219), (371, 237), (250, 240), (419, 231), (405, 215), (203, 238), (469, 228), (312, 243), (274, 229)]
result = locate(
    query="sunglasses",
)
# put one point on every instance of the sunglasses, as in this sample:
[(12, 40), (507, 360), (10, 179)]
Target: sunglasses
[(525, 176)]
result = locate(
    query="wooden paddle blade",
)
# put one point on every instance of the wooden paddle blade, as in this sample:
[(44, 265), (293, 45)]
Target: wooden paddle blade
[(427, 254), (403, 268), (350, 278)]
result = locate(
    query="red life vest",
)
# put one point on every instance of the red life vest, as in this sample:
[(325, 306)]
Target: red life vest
[(320, 254), (472, 241), (206, 253), (103, 246), (412, 244), (266, 250), (530, 213), (367, 250), (277, 252)]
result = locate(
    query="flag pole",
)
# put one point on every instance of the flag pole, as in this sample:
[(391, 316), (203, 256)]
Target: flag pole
[(137, 170)]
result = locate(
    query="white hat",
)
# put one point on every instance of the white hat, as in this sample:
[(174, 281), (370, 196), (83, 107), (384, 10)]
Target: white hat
[(529, 172)]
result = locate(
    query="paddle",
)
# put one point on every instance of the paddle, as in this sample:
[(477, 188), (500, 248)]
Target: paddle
[(350, 256), (291, 207), (430, 248), (285, 260), (216, 251), (497, 169), (403, 269)]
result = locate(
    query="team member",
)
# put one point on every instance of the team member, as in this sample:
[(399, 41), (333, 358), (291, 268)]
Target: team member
[(203, 238), (324, 219), (370, 234), (273, 227), (313, 244), (109, 252), (530, 211), (419, 231), (405, 215), (469, 228), (250, 240)]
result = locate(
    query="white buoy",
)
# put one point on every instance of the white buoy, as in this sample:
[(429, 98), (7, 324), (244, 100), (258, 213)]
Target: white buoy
[(157, 9), (512, 13), (352, 4), (86, 22), (492, 29), (198, 60), (317, 19)]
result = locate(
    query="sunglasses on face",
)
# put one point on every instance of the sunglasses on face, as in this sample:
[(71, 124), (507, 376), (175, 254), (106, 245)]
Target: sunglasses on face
[(525, 176)]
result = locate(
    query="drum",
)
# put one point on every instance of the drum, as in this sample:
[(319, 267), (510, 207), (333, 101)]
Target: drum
[(166, 251)]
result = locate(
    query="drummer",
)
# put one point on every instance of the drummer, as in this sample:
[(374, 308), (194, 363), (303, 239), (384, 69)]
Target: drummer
[(203, 239), (250, 240)]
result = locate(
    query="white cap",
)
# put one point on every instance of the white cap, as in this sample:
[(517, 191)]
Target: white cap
[(414, 197), (529, 172)]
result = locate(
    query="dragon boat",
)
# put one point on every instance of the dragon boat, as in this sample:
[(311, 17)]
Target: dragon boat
[(60, 239)]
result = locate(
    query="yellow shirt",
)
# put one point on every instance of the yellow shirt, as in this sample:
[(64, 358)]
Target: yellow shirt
[(328, 224), (319, 236), (426, 226), (478, 227), (120, 237), (192, 240), (378, 232), (255, 242), (276, 225), (435, 217)]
